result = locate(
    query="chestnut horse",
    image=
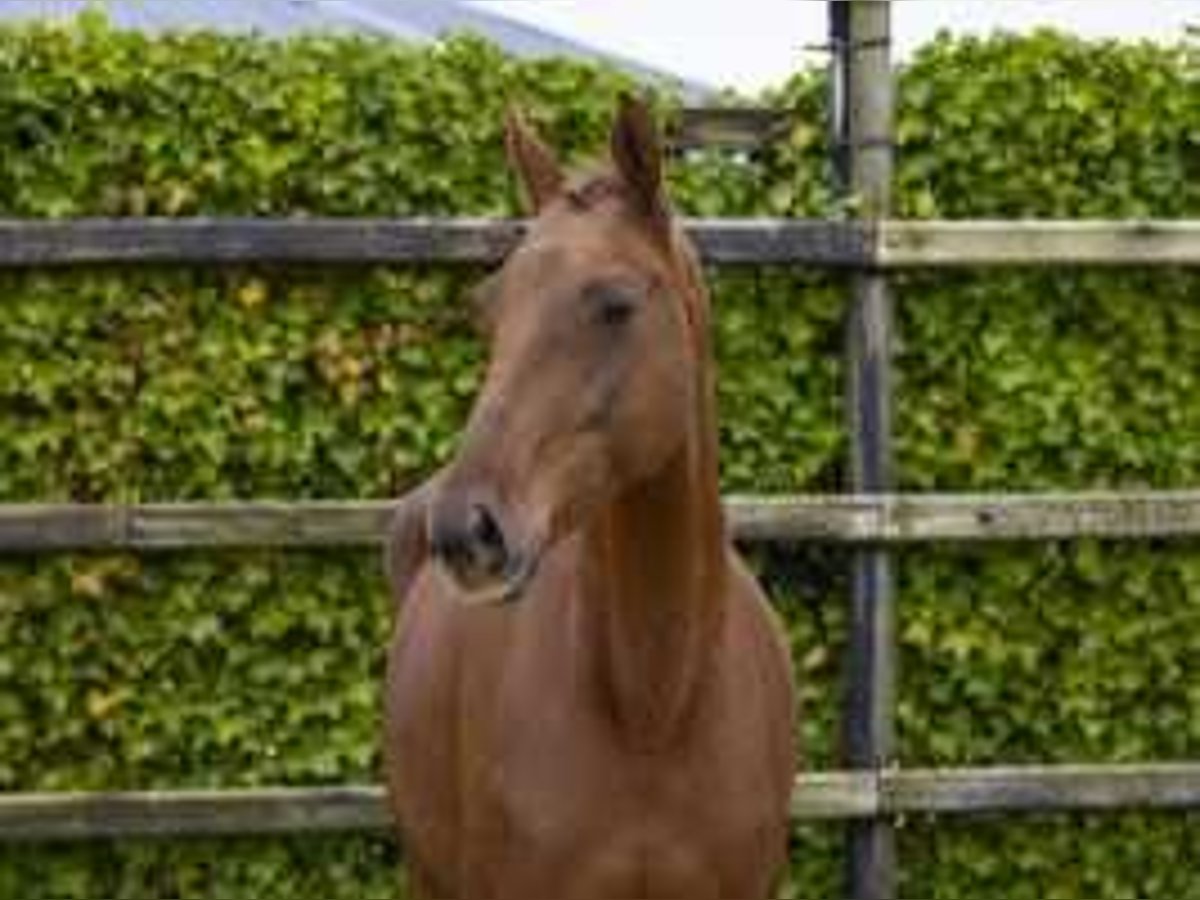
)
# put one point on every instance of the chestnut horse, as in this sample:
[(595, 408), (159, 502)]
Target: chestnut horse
[(587, 694)]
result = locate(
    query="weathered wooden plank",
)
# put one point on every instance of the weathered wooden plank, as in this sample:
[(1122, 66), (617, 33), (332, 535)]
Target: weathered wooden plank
[(835, 795), (921, 518), (162, 526), (1003, 517), (44, 243), (781, 242), (1014, 789), (1039, 243), (832, 518), (817, 796), (37, 242), (304, 524), (194, 813), (854, 519), (744, 128)]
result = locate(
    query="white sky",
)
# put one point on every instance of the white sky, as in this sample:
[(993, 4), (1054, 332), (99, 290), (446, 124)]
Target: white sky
[(750, 44)]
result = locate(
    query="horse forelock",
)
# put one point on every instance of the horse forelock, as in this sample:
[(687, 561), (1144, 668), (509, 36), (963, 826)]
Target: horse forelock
[(587, 189)]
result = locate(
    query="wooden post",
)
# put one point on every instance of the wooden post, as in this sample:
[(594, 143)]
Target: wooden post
[(862, 117)]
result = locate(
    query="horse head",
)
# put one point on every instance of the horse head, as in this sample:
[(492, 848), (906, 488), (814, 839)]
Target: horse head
[(590, 384)]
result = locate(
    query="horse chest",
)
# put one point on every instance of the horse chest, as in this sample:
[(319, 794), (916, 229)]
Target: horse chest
[(526, 789), (595, 824), (567, 811)]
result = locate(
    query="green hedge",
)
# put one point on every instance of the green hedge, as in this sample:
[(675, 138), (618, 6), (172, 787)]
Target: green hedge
[(259, 667)]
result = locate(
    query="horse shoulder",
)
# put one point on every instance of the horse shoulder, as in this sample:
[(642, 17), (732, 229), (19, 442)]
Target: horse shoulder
[(770, 624), (762, 644)]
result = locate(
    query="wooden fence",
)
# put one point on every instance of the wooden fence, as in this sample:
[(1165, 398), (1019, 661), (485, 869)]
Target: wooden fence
[(822, 795), (883, 245), (861, 519), (873, 519)]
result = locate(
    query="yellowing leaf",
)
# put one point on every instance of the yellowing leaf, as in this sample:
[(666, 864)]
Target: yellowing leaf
[(88, 583), (252, 294), (101, 704)]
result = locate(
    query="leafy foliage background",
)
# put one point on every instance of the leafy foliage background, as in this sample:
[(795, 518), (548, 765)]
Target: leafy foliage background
[(259, 667)]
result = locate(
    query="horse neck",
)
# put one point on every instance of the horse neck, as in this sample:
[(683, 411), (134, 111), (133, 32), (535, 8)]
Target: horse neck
[(656, 572)]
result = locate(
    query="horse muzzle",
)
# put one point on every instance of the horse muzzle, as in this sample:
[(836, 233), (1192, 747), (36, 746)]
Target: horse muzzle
[(480, 559)]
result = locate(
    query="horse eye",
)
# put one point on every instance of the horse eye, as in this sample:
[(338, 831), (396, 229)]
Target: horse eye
[(613, 306), (616, 311)]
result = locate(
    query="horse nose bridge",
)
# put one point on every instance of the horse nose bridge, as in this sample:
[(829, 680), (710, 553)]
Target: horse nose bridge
[(492, 459), (487, 426)]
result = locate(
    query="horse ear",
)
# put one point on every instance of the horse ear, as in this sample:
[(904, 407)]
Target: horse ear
[(533, 162), (637, 152)]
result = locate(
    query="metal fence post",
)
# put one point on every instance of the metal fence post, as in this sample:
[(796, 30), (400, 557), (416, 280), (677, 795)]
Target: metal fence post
[(862, 117)]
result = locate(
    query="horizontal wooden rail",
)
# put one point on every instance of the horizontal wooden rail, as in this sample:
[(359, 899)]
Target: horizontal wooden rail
[(1039, 243), (194, 813), (1031, 789), (47, 242), (817, 243), (819, 796), (889, 519), (998, 789), (746, 128)]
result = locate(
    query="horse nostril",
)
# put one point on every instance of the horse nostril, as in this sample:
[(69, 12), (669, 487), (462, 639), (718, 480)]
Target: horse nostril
[(448, 546), (469, 542), (485, 532)]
